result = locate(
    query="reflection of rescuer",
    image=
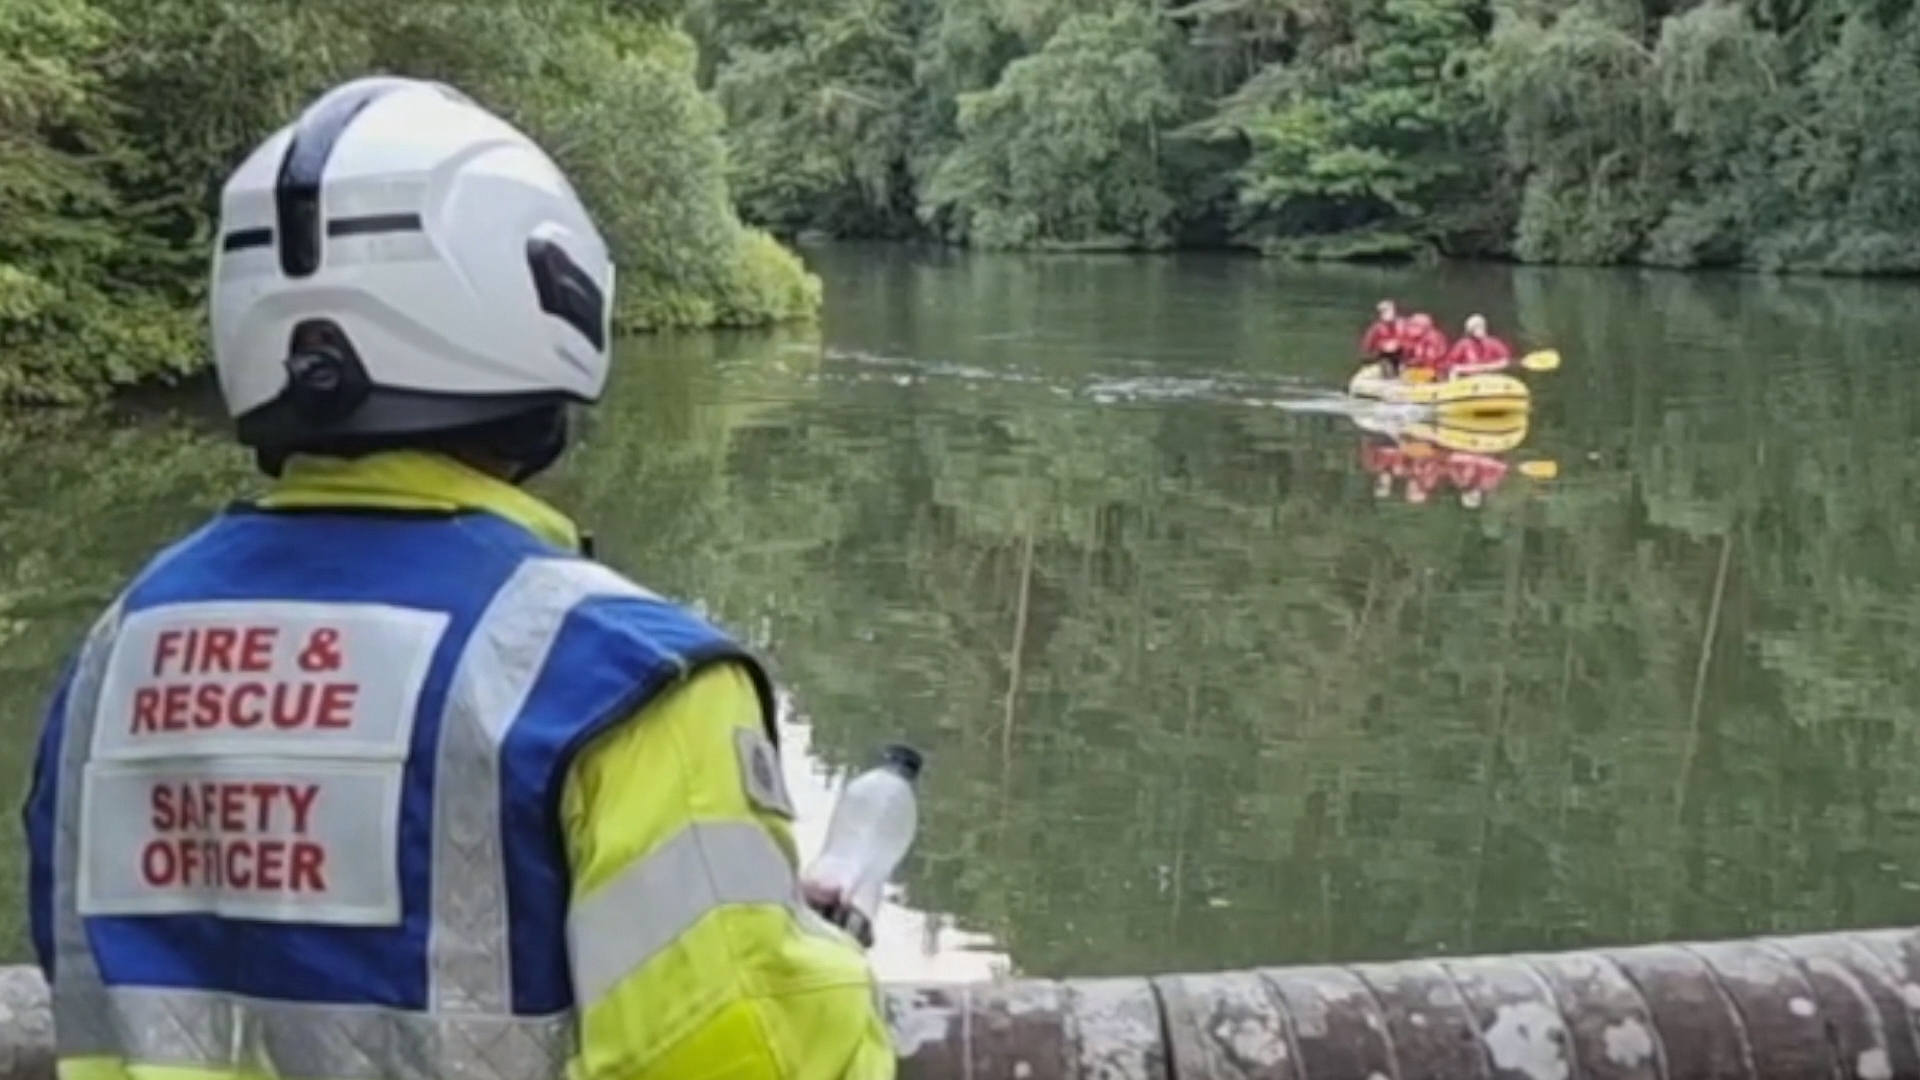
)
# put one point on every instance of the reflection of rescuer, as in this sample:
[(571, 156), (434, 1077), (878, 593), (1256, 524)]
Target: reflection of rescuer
[(379, 777)]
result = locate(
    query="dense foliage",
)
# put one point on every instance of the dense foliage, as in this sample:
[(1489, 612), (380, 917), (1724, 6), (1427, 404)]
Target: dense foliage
[(119, 119), (1780, 134)]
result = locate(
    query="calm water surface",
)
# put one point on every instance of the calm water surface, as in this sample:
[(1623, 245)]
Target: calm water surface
[(1209, 673)]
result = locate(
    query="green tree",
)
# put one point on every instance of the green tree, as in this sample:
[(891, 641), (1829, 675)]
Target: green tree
[(822, 122), (1065, 149), (1773, 134), (1366, 148), (120, 120), (73, 313)]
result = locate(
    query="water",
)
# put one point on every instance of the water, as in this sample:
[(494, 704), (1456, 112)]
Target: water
[(1090, 532)]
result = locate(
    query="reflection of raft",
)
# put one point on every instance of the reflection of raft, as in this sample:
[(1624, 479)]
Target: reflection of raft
[(1491, 394), (1474, 434), (1489, 434)]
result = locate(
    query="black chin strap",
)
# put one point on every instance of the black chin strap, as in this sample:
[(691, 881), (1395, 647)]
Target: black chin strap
[(542, 446)]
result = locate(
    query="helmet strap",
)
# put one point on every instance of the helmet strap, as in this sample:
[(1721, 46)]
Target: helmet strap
[(543, 444)]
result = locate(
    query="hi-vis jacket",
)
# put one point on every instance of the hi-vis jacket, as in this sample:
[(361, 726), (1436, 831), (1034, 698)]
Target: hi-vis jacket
[(377, 780)]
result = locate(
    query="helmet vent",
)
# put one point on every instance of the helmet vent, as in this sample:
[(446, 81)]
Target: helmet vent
[(296, 193), (567, 292)]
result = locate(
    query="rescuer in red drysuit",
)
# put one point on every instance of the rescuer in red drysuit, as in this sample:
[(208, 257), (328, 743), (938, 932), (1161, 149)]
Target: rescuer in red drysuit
[(1477, 352), (1424, 345), (1382, 341)]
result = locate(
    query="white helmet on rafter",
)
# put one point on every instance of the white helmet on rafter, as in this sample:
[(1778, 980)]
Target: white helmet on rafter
[(399, 261)]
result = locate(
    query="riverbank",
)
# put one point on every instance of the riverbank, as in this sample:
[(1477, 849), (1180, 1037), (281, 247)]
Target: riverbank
[(1319, 259)]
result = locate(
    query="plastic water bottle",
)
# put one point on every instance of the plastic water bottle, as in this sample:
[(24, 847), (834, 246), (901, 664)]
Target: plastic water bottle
[(872, 827)]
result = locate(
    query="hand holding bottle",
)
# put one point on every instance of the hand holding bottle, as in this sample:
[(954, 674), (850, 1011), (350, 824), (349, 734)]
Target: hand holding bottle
[(872, 828)]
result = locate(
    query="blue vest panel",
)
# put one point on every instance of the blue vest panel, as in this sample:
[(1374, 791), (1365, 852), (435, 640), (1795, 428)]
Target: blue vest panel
[(525, 653)]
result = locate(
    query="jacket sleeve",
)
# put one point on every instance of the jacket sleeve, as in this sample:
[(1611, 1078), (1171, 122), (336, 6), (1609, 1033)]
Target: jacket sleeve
[(693, 956)]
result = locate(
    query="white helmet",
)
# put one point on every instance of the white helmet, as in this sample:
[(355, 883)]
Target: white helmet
[(399, 260)]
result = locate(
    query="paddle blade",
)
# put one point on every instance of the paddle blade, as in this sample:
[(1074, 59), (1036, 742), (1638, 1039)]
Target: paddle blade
[(1544, 360), (1540, 470)]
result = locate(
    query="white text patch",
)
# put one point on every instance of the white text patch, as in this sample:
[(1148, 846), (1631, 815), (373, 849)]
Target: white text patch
[(275, 678), (289, 841)]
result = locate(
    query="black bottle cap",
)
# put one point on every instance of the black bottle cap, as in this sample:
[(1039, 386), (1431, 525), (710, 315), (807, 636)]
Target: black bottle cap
[(902, 759)]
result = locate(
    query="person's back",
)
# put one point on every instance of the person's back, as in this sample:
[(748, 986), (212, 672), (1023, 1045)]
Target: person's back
[(379, 775), (1425, 343)]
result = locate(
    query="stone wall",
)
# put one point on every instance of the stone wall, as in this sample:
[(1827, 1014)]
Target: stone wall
[(1820, 1007)]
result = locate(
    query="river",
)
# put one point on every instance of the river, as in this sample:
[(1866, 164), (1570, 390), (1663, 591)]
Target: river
[(1199, 686)]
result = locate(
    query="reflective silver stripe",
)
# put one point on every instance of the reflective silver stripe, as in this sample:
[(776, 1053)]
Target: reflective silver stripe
[(631, 919), (301, 1041), (75, 973), (467, 953)]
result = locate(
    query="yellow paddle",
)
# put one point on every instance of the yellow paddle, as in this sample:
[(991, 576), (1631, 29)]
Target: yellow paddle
[(1540, 470)]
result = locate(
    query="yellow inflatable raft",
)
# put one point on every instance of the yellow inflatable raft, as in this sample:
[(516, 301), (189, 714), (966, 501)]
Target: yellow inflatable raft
[(1492, 394)]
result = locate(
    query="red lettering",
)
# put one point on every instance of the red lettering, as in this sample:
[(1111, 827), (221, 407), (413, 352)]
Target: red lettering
[(300, 800), (336, 705), (166, 647), (146, 709), (235, 868), (269, 863), (256, 648), (222, 650), (233, 806), (308, 870), (244, 709), (193, 808), (175, 699), (160, 801), (205, 706), (216, 653), (288, 715), (157, 864), (263, 800), (297, 866)]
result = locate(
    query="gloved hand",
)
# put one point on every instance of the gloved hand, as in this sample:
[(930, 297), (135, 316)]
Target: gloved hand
[(831, 902)]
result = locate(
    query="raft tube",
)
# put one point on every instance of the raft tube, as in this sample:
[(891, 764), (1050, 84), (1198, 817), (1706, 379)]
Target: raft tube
[(1491, 394)]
